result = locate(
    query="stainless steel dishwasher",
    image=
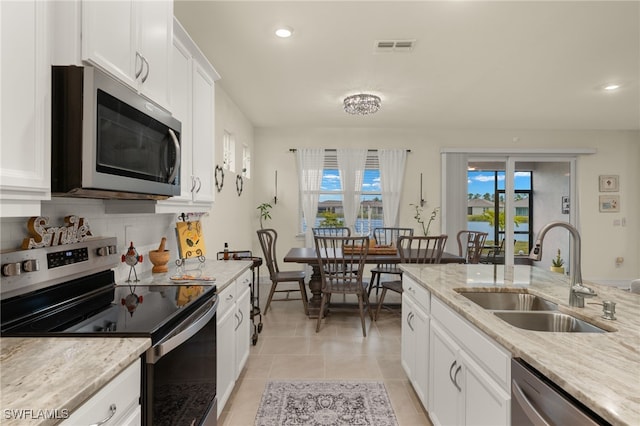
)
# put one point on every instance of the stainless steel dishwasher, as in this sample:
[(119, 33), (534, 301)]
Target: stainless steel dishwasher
[(537, 401)]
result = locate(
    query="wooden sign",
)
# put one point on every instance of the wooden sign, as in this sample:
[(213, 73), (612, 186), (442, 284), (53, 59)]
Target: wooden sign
[(75, 230)]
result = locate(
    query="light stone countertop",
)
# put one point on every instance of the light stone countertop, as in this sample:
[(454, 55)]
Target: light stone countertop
[(57, 373), (602, 370)]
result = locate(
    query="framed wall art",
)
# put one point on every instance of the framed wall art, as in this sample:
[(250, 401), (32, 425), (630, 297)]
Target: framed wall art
[(610, 203), (609, 183)]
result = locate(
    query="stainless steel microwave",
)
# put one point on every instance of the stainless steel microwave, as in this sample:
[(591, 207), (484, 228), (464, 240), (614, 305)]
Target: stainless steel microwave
[(108, 141)]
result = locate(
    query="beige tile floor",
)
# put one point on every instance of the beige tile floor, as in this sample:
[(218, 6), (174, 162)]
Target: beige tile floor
[(289, 348)]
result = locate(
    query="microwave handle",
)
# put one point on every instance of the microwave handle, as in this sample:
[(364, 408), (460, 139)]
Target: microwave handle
[(176, 166)]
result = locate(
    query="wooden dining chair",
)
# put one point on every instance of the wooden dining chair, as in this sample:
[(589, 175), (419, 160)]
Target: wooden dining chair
[(418, 250), (386, 236), (268, 238), (341, 261), (335, 231), (470, 244)]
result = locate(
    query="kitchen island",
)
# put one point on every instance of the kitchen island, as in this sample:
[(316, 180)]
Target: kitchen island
[(601, 370)]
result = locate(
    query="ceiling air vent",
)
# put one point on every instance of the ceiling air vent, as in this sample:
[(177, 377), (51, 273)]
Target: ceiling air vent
[(394, 46)]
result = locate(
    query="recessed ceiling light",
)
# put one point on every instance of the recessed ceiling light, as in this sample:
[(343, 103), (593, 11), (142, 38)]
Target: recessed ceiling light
[(611, 87), (284, 32)]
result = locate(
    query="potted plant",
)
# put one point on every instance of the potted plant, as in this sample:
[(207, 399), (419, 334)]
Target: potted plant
[(265, 213), (557, 264)]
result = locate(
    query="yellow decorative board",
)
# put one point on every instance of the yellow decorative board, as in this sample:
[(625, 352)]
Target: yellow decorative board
[(190, 239)]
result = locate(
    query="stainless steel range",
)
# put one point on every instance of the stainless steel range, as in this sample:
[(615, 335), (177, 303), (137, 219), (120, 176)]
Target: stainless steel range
[(71, 291)]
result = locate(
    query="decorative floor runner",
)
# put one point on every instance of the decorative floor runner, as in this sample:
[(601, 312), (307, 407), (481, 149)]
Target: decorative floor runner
[(324, 403)]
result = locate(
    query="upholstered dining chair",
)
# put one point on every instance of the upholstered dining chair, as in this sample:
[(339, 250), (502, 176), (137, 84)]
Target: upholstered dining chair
[(332, 231), (341, 261), (268, 238), (418, 249), (470, 244), (386, 236)]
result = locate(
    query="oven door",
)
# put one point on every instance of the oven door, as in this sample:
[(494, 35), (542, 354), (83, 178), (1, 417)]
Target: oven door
[(180, 373)]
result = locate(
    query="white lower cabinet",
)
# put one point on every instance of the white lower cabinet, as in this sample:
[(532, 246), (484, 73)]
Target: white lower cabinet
[(233, 335), (117, 403), (415, 346), (469, 374)]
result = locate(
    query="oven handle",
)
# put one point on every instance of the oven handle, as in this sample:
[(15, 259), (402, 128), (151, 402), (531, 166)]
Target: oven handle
[(192, 327), (176, 165)]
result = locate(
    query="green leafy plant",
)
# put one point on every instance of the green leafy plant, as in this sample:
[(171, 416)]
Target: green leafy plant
[(330, 220), (420, 220), (557, 262), (265, 213)]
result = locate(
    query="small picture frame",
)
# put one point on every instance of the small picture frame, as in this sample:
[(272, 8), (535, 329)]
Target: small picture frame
[(609, 183), (609, 203)]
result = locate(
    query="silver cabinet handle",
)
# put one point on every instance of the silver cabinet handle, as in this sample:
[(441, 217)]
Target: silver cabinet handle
[(409, 320), (112, 412), (199, 184), (193, 183), (138, 72), (453, 377), (229, 297), (147, 73), (176, 164), (240, 319), (526, 405)]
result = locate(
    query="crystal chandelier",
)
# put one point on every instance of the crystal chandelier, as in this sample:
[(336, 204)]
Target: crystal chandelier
[(361, 104)]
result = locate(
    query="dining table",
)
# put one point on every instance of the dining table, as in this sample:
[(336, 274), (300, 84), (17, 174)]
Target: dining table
[(308, 256)]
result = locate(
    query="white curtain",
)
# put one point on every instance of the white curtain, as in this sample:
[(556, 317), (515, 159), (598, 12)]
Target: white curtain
[(351, 163), (310, 167), (392, 163)]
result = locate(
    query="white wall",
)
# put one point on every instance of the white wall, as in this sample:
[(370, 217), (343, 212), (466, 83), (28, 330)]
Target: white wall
[(618, 152)]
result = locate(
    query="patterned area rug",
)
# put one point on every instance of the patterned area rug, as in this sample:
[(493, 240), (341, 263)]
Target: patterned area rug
[(324, 403)]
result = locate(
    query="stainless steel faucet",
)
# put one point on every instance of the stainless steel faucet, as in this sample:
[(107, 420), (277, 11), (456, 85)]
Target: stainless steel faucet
[(577, 291)]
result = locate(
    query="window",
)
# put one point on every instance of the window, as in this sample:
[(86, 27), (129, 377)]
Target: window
[(370, 213), (228, 151), (486, 197), (246, 162)]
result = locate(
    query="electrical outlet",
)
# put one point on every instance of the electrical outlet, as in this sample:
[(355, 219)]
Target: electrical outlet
[(616, 222)]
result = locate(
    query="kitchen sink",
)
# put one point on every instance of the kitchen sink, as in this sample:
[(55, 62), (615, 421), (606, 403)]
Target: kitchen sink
[(505, 301), (547, 321)]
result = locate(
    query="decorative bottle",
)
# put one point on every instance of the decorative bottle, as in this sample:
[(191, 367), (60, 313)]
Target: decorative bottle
[(225, 256)]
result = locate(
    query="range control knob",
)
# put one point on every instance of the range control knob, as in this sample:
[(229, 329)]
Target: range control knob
[(31, 265), (106, 251), (11, 269)]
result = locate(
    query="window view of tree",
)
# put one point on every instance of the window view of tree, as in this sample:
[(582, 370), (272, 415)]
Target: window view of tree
[(486, 203)]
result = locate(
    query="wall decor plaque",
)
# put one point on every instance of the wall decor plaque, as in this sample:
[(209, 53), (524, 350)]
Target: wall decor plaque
[(609, 203), (609, 183)]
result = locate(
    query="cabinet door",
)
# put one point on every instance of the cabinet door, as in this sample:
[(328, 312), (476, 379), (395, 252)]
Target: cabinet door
[(485, 402), (420, 378), (243, 328), (25, 110), (203, 134), (109, 38), (408, 339), (155, 34), (444, 375), (225, 351), (181, 109)]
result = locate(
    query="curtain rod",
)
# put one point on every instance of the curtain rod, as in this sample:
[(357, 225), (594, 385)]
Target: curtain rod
[(333, 149)]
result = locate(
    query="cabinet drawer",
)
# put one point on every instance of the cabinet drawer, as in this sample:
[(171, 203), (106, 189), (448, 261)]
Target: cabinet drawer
[(227, 298), (123, 392), (245, 280), (489, 355), (417, 292)]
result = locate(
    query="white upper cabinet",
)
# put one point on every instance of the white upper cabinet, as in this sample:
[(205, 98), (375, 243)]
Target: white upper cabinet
[(25, 111), (131, 40), (192, 102)]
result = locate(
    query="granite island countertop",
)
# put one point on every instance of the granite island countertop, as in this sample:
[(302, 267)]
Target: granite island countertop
[(601, 370), (59, 373)]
